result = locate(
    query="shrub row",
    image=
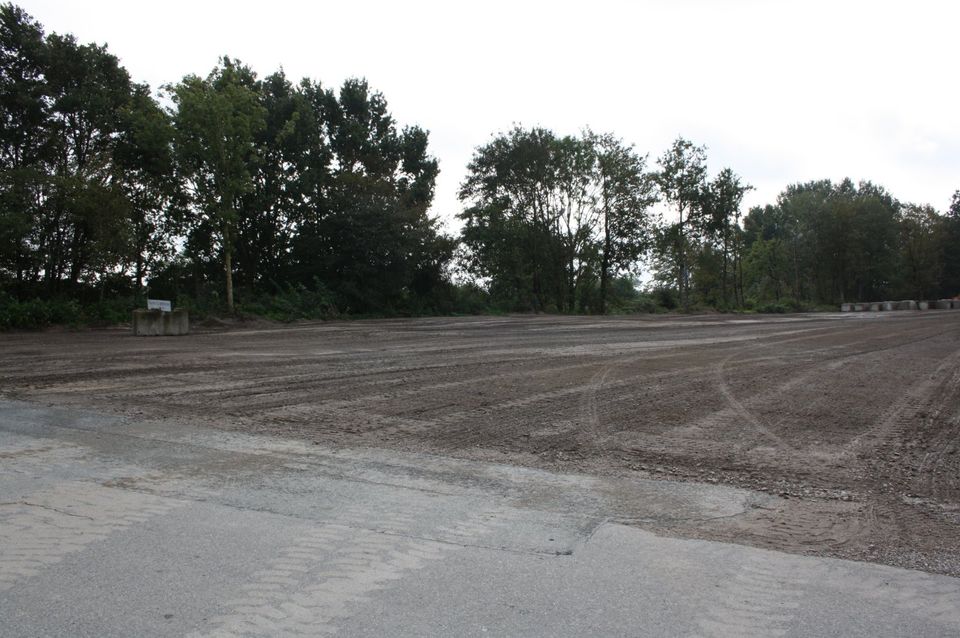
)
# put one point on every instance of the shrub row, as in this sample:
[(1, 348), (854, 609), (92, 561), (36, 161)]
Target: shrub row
[(38, 313)]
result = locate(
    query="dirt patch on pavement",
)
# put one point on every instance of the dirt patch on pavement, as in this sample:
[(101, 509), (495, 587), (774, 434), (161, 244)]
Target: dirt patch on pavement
[(853, 421)]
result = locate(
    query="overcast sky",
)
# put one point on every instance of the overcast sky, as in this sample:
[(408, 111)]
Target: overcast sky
[(781, 92)]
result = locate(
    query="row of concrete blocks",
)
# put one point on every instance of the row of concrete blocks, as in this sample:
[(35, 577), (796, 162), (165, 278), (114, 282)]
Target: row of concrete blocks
[(939, 304), (157, 323)]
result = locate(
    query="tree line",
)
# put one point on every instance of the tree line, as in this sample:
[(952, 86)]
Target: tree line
[(237, 183), (550, 221), (236, 192)]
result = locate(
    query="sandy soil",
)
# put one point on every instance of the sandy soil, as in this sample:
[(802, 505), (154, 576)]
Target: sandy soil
[(852, 421)]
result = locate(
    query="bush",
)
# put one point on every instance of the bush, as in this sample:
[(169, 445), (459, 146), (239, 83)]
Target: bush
[(108, 312), (666, 298), (780, 307), (642, 303), (291, 304), (23, 314), (772, 308), (33, 314)]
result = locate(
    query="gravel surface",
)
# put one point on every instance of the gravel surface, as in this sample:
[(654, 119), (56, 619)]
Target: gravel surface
[(848, 425)]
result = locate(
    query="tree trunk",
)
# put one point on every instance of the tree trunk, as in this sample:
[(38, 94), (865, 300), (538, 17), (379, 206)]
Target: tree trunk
[(725, 259), (682, 262), (739, 268), (139, 275), (797, 286), (604, 283), (605, 262), (228, 269)]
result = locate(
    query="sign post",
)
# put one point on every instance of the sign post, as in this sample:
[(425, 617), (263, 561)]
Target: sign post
[(159, 304)]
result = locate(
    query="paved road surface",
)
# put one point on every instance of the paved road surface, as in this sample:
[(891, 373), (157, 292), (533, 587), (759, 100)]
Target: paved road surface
[(110, 527)]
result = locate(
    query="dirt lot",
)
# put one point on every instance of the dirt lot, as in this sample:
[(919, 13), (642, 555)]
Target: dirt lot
[(852, 421)]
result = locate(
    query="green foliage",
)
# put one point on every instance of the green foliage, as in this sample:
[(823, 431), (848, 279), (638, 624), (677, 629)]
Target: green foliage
[(292, 303), (827, 243), (666, 298), (550, 220), (307, 202), (950, 238), (922, 243), (772, 308), (626, 299), (682, 181), (627, 192), (33, 314), (78, 149), (259, 180), (216, 122)]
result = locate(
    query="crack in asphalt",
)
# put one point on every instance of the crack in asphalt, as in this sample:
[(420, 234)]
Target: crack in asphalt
[(47, 507)]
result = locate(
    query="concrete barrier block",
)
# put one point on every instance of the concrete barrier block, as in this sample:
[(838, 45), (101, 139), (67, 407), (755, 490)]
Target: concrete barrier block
[(942, 304), (887, 306), (156, 323), (906, 305), (147, 323), (846, 307), (860, 307), (956, 304), (176, 323), (923, 305), (874, 307)]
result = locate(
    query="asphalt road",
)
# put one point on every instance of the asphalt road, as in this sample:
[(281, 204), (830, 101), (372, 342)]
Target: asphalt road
[(117, 527)]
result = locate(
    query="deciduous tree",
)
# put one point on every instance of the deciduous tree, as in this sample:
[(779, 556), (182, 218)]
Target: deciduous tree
[(216, 121)]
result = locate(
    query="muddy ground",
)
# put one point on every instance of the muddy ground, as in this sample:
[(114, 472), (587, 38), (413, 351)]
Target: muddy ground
[(852, 421)]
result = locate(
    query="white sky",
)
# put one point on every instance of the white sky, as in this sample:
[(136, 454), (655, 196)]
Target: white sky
[(781, 92)]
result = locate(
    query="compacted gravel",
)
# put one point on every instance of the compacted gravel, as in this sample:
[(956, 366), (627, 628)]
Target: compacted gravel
[(851, 420)]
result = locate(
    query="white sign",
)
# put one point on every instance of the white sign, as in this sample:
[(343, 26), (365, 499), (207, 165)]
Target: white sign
[(159, 304)]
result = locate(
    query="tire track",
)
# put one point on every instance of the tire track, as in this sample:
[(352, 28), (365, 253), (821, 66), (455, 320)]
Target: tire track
[(935, 598), (757, 602), (940, 462), (905, 408), (801, 379), (53, 523), (454, 429), (330, 573)]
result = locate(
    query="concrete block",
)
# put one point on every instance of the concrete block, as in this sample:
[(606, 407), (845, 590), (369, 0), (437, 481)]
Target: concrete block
[(860, 307), (956, 304), (942, 304), (887, 306), (846, 307), (176, 323), (907, 305), (147, 323), (923, 305), (874, 307), (156, 323)]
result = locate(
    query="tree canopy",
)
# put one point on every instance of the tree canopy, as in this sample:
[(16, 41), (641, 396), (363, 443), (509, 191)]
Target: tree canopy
[(235, 192), (549, 220), (258, 185)]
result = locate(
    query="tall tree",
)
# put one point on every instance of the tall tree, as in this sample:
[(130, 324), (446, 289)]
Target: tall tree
[(216, 121), (145, 175), (921, 250), (292, 147), (24, 118), (627, 191), (722, 199), (379, 236), (950, 276), (512, 217), (549, 217), (682, 181), (85, 230)]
